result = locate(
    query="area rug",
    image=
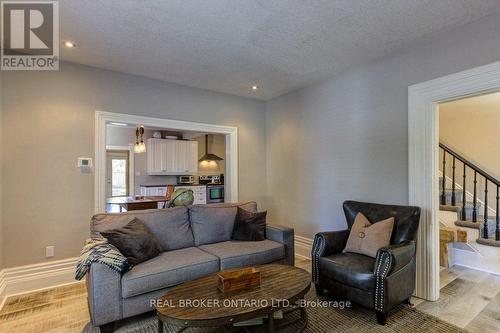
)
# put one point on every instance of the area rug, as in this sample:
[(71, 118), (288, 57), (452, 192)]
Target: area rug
[(354, 319)]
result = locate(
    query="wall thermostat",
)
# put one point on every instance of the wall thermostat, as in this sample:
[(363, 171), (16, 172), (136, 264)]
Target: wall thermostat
[(85, 164)]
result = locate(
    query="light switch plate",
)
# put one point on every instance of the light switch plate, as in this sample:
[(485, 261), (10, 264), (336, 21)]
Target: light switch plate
[(49, 251)]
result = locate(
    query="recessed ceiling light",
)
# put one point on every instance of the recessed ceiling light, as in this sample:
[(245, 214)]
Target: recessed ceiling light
[(255, 88), (118, 124), (69, 44)]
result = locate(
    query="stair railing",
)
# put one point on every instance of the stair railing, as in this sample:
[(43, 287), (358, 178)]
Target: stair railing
[(487, 179)]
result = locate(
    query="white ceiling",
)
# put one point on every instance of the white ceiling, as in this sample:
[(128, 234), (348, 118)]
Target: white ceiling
[(229, 45)]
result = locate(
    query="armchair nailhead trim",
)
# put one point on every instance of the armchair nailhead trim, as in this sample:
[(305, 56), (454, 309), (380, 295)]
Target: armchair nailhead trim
[(317, 252), (383, 266)]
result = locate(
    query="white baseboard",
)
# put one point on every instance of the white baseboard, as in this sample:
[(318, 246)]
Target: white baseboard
[(23, 279), (303, 246)]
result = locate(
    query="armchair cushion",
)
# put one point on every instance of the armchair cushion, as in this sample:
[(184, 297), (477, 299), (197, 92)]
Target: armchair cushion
[(352, 269), (366, 237)]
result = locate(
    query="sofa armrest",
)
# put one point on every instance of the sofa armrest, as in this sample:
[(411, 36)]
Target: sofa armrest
[(103, 294), (325, 244), (283, 235)]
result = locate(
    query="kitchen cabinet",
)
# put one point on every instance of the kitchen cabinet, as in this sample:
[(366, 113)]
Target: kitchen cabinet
[(171, 157)]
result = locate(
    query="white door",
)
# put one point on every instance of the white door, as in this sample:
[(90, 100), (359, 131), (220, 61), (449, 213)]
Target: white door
[(117, 175)]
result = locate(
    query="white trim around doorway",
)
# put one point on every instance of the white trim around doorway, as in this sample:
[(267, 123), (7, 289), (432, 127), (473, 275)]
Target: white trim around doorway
[(423, 139), (102, 118)]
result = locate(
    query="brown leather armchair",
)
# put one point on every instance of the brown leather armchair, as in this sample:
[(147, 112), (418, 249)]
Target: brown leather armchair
[(378, 283)]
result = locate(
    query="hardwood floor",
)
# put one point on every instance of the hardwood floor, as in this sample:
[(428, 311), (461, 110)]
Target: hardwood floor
[(469, 299), (61, 309)]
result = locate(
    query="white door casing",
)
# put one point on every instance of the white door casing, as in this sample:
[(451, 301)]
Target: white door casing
[(423, 140)]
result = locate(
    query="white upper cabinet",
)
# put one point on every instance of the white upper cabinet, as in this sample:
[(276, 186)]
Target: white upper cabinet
[(172, 157)]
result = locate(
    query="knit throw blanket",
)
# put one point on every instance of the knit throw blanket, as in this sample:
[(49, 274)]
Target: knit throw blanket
[(100, 251)]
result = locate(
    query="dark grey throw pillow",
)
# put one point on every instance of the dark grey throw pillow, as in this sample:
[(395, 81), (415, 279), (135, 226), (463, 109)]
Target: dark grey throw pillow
[(249, 226), (134, 241)]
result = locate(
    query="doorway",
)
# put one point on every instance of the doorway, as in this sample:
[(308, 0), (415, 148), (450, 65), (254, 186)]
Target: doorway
[(423, 159), (117, 173), (103, 119)]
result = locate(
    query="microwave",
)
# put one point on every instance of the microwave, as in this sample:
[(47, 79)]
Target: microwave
[(215, 193), (185, 179)]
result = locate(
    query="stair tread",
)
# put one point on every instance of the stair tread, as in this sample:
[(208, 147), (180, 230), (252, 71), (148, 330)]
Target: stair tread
[(489, 242), (449, 208), (459, 206), (468, 224)]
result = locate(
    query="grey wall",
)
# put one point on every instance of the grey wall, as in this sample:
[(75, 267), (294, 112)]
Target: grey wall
[(48, 122), (346, 138)]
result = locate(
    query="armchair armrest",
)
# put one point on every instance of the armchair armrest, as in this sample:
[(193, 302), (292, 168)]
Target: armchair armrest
[(104, 294), (325, 244), (392, 260), (330, 242), (285, 236), (394, 257)]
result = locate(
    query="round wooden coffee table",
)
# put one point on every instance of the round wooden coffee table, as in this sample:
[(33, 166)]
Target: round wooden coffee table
[(199, 303)]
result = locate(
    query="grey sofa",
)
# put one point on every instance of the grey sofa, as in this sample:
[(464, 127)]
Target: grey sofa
[(196, 241)]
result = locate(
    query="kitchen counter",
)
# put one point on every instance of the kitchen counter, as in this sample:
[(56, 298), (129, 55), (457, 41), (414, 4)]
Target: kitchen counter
[(162, 185)]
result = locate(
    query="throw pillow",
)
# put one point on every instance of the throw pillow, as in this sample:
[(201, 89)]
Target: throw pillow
[(367, 238), (134, 241), (249, 226)]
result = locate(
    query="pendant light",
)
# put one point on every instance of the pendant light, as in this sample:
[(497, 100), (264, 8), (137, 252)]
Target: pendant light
[(140, 146), (207, 156)]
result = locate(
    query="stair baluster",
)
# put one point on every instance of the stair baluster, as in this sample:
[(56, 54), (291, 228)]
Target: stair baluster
[(474, 200), (485, 225), (464, 213), (464, 216), (443, 189), (453, 199), (497, 229)]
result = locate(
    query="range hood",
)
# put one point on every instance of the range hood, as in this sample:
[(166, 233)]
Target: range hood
[(207, 156)]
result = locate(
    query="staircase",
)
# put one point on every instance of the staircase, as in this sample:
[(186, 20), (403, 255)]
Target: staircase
[(466, 194)]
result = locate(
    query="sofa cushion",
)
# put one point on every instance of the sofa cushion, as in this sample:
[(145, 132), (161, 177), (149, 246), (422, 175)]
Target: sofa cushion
[(167, 270), (135, 241), (352, 269), (235, 254), (249, 226), (170, 226), (213, 223), (251, 206)]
